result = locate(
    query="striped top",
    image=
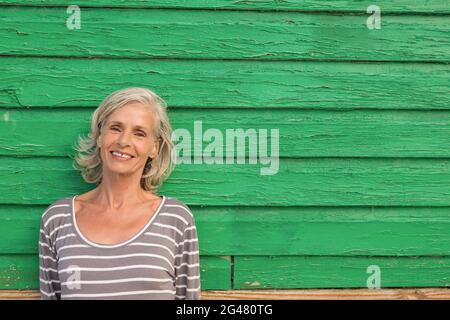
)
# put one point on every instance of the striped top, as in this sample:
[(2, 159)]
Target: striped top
[(160, 262)]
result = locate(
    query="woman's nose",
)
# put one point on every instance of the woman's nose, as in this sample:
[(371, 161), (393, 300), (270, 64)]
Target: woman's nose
[(124, 139)]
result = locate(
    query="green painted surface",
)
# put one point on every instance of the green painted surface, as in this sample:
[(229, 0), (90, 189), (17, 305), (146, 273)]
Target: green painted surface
[(299, 182), (57, 82), (305, 133), (426, 6), (21, 271), (223, 35), (339, 272), (363, 117), (346, 231)]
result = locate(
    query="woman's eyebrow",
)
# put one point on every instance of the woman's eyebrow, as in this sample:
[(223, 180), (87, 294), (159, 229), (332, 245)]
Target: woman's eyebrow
[(138, 127)]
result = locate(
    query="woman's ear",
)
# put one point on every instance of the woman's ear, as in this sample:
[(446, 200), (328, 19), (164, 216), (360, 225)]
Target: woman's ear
[(155, 149)]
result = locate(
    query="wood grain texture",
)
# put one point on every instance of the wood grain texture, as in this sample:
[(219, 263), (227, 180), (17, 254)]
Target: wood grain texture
[(403, 6), (188, 34), (326, 294), (22, 272), (339, 272), (344, 231), (307, 294), (303, 133), (56, 82), (299, 182)]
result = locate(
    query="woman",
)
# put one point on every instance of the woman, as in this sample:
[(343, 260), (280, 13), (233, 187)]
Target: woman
[(120, 240)]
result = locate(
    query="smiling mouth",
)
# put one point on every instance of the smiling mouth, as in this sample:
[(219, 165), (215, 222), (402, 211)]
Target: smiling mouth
[(122, 156)]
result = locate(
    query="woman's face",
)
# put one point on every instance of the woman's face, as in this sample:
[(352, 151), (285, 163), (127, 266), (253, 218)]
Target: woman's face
[(127, 140)]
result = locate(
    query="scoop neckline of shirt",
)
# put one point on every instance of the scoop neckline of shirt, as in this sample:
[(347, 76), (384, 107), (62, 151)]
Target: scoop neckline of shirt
[(112, 246)]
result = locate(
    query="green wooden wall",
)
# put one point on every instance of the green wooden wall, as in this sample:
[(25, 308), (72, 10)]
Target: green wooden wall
[(364, 120)]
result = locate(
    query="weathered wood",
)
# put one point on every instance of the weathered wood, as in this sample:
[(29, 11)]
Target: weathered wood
[(309, 294), (402, 6), (339, 272), (22, 272), (344, 231), (330, 294), (303, 133), (55, 82), (20, 295), (219, 34), (299, 182)]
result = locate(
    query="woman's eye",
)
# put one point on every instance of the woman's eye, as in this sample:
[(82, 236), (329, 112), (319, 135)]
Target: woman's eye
[(140, 134)]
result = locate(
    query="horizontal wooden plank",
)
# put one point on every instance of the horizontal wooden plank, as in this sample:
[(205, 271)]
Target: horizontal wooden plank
[(305, 294), (57, 82), (215, 272), (298, 182), (22, 272), (220, 34), (324, 231), (339, 272), (231, 231), (318, 294), (20, 295), (403, 6), (303, 133)]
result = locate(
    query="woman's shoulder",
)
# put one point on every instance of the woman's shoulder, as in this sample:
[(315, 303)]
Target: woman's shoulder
[(174, 206), (58, 211)]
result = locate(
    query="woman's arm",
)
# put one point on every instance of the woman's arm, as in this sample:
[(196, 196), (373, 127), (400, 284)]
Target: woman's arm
[(48, 267), (187, 266)]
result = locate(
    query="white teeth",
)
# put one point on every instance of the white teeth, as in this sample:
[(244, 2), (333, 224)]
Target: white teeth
[(125, 156)]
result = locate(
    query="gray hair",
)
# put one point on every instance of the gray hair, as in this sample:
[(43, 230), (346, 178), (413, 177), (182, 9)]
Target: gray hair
[(156, 170)]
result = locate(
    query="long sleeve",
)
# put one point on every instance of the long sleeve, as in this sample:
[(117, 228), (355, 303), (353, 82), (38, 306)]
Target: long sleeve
[(187, 266), (48, 268)]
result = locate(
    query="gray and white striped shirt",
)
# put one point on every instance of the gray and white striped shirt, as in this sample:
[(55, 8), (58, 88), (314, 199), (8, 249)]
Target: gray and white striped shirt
[(159, 262)]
